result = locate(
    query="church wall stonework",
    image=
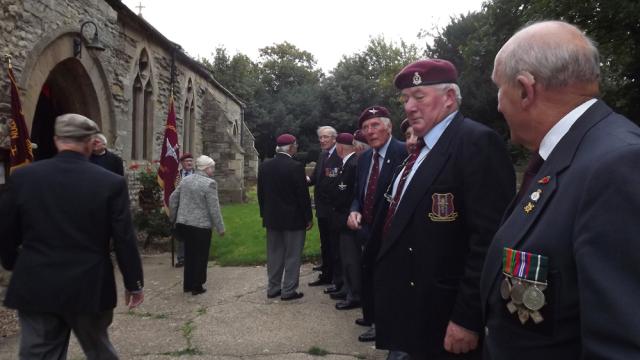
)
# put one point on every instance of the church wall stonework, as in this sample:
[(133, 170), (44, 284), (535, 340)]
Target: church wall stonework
[(38, 34)]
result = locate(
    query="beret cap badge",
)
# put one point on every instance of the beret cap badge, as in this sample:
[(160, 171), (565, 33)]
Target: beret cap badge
[(417, 79)]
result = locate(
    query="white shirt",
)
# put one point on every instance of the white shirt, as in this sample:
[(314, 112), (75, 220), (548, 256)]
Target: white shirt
[(560, 129)]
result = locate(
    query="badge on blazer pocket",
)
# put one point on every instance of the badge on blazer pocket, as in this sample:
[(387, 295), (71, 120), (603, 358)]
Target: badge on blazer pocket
[(442, 208)]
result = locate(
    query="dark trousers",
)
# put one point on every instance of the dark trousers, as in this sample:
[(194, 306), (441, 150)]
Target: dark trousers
[(350, 257), (369, 253), (46, 335), (324, 228), (197, 242)]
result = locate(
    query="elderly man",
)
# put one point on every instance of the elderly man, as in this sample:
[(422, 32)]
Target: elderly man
[(561, 276), (360, 142), (350, 251), (285, 208), (195, 209), (375, 171), (56, 221), (445, 206), (101, 156), (324, 174)]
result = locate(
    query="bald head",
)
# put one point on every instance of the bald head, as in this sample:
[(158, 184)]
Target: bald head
[(555, 53)]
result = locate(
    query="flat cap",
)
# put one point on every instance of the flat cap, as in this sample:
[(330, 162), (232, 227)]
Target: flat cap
[(373, 112), (285, 139), (358, 135), (75, 126), (426, 72), (185, 156), (345, 139)]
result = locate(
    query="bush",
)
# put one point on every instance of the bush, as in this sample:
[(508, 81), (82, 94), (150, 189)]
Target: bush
[(150, 217)]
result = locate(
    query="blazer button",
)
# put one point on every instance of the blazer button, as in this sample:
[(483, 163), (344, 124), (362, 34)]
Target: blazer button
[(486, 331), (410, 249), (412, 284)]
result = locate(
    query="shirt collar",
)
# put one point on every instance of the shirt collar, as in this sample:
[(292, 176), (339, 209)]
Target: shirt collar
[(383, 150), (560, 129), (431, 138), (333, 148), (283, 153)]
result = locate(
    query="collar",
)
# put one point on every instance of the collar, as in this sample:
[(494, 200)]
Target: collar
[(333, 148), (346, 157), (431, 138), (383, 149), (283, 153), (560, 129)]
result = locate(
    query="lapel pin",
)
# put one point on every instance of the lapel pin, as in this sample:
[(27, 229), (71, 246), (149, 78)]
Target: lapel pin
[(529, 207), (544, 180), (535, 196)]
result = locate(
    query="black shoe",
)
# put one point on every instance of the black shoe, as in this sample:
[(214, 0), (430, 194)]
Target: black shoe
[(331, 289), (369, 335), (198, 291), (274, 295), (180, 264), (346, 305), (292, 296), (363, 322), (338, 296), (320, 281)]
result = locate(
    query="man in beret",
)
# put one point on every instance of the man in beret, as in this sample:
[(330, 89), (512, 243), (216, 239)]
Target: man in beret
[(350, 251), (577, 216), (446, 204), (186, 169), (101, 156), (410, 138), (360, 142), (322, 178), (375, 171), (285, 208), (56, 221)]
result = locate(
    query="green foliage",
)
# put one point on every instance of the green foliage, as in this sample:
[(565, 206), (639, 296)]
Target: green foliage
[(317, 351), (245, 240), (150, 217)]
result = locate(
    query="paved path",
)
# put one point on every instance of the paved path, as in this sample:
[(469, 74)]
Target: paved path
[(232, 320)]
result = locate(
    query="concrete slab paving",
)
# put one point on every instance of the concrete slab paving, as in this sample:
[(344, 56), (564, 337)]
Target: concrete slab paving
[(232, 320)]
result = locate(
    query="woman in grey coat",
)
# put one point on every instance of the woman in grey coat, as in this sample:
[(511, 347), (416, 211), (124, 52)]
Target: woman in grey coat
[(195, 210)]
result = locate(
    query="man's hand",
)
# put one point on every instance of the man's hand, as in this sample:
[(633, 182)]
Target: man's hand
[(221, 233), (133, 299), (309, 225), (353, 222), (459, 340)]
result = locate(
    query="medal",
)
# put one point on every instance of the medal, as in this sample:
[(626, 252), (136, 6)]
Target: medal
[(536, 317), (511, 307), (533, 298), (505, 289), (523, 315), (517, 292)]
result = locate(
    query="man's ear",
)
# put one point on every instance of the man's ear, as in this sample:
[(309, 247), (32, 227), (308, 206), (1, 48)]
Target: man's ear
[(526, 85)]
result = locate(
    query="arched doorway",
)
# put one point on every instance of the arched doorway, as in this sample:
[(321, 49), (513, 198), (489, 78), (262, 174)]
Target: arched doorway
[(67, 89)]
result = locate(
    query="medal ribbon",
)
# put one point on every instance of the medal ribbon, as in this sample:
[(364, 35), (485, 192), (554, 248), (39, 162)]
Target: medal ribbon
[(524, 265)]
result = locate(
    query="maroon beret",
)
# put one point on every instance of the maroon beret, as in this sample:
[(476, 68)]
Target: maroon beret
[(358, 135), (345, 139), (186, 156), (285, 139), (426, 72), (404, 125), (372, 112)]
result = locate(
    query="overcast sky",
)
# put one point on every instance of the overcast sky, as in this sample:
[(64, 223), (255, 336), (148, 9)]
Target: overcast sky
[(327, 29)]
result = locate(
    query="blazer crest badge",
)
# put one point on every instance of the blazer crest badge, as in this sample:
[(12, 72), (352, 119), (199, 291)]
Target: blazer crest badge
[(442, 207)]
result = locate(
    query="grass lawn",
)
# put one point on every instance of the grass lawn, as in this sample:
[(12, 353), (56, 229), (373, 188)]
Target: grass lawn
[(245, 240)]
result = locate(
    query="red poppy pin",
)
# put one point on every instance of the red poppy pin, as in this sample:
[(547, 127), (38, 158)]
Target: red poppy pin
[(544, 180)]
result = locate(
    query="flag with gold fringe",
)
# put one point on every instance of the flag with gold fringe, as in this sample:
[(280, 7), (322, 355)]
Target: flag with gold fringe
[(168, 170), (21, 151)]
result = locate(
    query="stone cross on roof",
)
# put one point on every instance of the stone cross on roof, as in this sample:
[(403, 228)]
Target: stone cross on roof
[(140, 7)]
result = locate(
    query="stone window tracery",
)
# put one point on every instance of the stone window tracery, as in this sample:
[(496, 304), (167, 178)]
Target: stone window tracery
[(142, 110)]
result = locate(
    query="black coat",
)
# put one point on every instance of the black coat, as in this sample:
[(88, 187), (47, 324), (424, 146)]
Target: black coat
[(341, 194), (323, 178), (586, 222), (428, 268), (283, 195), (62, 212), (109, 161)]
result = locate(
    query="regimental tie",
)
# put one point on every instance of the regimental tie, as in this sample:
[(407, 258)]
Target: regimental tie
[(524, 283), (372, 184), (403, 179)]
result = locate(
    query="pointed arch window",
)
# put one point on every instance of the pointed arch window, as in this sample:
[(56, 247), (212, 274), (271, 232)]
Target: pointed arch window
[(189, 120), (142, 110)]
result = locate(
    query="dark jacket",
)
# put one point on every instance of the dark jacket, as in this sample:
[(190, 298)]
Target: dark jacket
[(428, 268), (341, 194), (62, 212), (586, 222), (283, 195), (109, 161), (323, 178)]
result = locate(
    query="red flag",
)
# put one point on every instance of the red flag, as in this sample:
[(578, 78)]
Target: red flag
[(21, 152), (168, 170)]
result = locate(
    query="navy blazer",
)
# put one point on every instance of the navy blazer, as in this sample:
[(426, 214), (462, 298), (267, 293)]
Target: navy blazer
[(323, 178), (428, 267), (586, 222), (61, 214)]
